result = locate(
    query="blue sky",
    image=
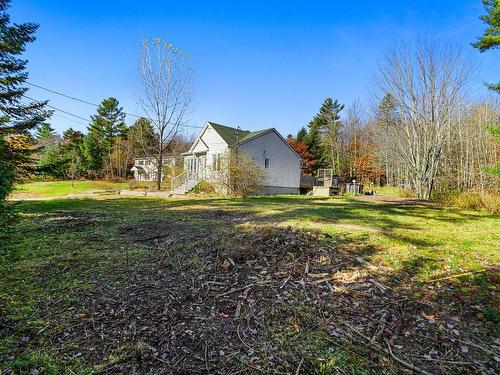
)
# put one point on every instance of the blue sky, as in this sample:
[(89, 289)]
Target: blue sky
[(257, 64)]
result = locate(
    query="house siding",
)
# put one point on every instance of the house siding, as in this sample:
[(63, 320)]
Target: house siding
[(284, 164), (216, 145)]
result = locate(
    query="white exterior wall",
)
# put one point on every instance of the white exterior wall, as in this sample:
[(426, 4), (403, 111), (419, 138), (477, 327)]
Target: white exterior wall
[(284, 164), (149, 166), (211, 143)]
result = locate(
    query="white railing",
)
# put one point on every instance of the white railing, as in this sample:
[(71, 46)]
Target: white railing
[(183, 179)]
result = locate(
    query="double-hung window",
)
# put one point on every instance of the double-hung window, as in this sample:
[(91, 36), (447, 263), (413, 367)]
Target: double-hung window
[(216, 162)]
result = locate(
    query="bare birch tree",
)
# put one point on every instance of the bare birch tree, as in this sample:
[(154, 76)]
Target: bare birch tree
[(428, 82), (165, 94)]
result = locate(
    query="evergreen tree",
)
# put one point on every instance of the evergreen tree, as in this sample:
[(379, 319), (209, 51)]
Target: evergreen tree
[(314, 143), (71, 150), (93, 153), (45, 131), (16, 118), (109, 121), (302, 135), (142, 137), (491, 36), (324, 135), (72, 139), (106, 126)]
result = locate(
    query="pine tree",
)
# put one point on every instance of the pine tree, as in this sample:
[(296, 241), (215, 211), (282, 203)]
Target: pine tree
[(72, 139), (324, 135), (106, 126), (110, 120), (142, 137), (93, 154), (491, 36), (302, 135), (16, 118), (45, 131)]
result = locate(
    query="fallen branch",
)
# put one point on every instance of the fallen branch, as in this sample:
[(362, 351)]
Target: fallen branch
[(455, 276), (234, 290), (388, 352)]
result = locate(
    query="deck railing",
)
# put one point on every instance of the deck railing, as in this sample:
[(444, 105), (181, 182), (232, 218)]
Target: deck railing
[(183, 178)]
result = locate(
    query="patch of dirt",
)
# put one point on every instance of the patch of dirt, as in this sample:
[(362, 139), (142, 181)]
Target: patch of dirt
[(205, 302), (231, 216), (71, 220)]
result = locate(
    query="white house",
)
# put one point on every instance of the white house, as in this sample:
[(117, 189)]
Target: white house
[(266, 147), (145, 168)]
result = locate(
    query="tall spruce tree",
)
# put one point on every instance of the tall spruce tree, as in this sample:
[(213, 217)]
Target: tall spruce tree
[(45, 131), (302, 135), (491, 36), (106, 126), (16, 118), (324, 135)]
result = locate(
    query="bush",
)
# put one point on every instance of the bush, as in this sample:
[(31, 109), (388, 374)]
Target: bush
[(473, 200), (394, 191), (240, 175), (203, 187)]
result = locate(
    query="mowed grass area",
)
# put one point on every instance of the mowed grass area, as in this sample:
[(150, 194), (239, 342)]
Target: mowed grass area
[(44, 189), (65, 264)]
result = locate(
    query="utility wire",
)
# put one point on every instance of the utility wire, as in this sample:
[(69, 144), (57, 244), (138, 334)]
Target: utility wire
[(61, 94), (92, 104), (58, 109)]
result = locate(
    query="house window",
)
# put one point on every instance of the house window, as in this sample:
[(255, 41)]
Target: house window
[(216, 162), (141, 162), (192, 164), (266, 163), (148, 162)]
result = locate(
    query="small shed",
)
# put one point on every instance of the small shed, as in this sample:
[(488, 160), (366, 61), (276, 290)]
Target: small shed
[(353, 188)]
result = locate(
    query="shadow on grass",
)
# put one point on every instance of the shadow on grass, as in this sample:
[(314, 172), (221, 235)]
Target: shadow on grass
[(127, 275)]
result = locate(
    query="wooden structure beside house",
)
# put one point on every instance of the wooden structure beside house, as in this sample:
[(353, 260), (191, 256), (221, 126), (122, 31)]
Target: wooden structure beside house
[(325, 183)]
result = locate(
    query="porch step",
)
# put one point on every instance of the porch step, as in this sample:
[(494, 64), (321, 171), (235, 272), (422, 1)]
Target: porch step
[(185, 187)]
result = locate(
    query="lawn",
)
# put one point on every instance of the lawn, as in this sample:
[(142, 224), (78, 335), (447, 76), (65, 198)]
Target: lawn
[(43, 189), (280, 284)]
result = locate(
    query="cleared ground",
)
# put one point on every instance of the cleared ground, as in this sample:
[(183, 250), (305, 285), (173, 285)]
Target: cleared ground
[(257, 285)]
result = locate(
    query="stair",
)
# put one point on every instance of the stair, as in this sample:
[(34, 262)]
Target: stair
[(185, 187)]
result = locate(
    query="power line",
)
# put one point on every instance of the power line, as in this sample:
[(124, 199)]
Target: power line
[(61, 94), (58, 109), (92, 104)]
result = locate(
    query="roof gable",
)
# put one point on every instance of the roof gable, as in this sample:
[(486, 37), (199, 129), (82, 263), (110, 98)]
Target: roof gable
[(229, 134), (259, 133)]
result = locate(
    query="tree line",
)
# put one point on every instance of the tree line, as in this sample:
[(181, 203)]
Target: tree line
[(424, 132), (107, 150)]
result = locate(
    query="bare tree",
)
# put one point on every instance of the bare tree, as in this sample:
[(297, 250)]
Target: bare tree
[(353, 129), (239, 175), (428, 82), (165, 94)]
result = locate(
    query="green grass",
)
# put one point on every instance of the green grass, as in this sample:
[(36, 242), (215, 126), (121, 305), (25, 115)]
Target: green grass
[(61, 188), (57, 249)]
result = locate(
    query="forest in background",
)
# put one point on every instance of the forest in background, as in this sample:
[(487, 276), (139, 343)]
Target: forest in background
[(425, 133)]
